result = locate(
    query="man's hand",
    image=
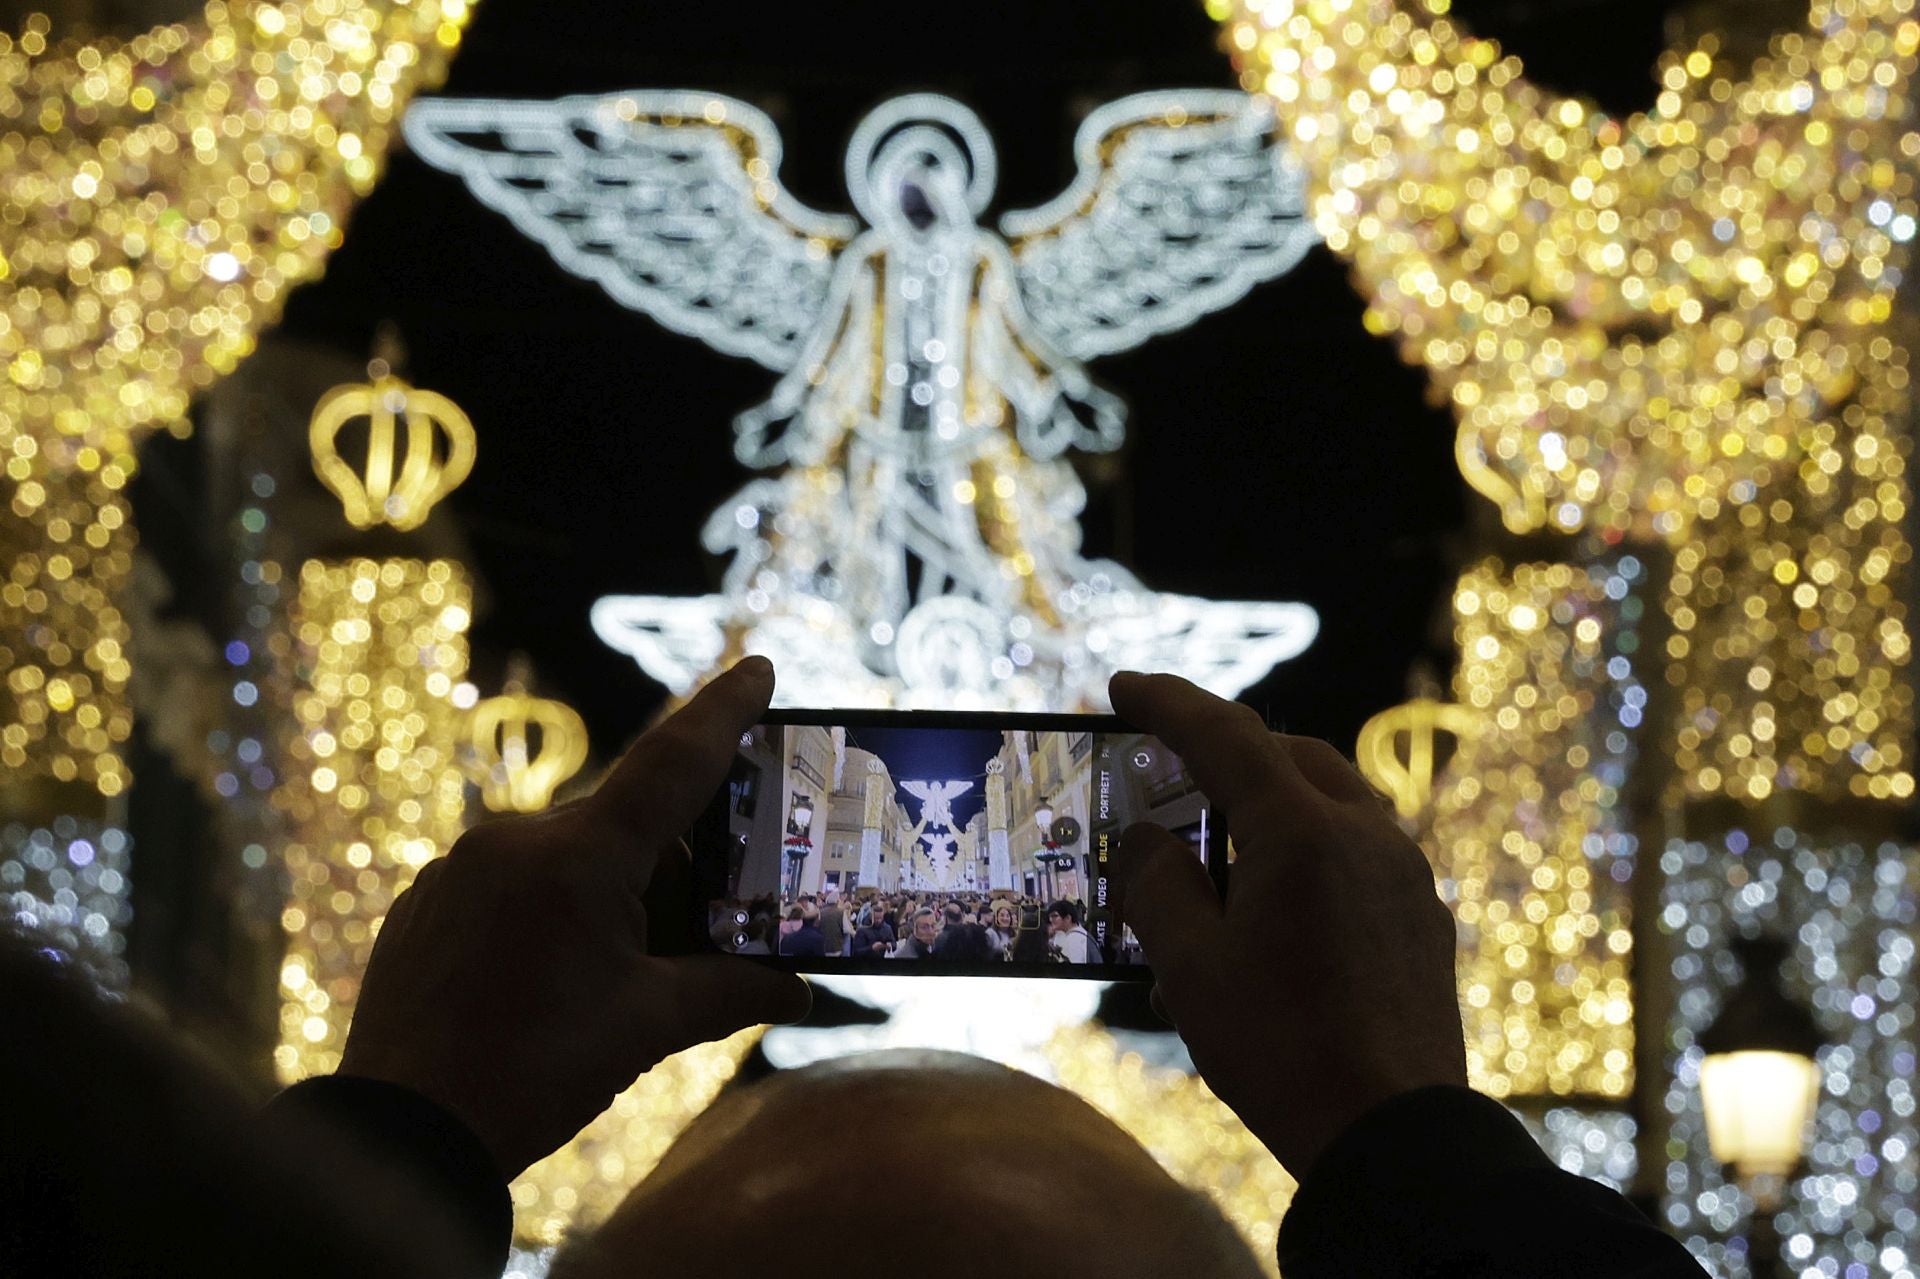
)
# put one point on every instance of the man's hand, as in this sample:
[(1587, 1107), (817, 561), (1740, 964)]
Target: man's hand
[(512, 983), (1324, 984)]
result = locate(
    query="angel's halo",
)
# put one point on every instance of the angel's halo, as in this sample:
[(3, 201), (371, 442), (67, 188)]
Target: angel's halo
[(953, 125)]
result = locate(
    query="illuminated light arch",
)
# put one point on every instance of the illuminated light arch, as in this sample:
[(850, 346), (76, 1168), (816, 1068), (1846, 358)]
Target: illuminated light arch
[(176, 201), (1633, 317)]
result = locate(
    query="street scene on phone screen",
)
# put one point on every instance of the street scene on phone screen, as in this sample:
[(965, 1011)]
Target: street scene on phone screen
[(946, 845)]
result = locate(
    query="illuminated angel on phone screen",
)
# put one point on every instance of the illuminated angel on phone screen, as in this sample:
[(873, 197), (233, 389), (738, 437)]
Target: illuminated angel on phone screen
[(920, 543)]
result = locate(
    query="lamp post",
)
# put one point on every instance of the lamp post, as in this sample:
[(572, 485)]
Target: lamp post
[(799, 842), (1758, 1085), (1049, 855)]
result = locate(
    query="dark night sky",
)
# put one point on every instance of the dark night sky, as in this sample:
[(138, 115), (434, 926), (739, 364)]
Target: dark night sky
[(935, 755), (1275, 451)]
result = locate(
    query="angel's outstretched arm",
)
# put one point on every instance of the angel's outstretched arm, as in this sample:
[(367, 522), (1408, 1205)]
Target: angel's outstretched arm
[(1183, 200), (834, 377), (1054, 403)]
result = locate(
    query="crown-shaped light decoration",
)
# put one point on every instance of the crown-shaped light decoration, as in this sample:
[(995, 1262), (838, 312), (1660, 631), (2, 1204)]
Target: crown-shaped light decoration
[(1408, 779), (395, 485), (517, 774)]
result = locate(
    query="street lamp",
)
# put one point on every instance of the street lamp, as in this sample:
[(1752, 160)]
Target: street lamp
[(799, 841), (1758, 1085), (1049, 855)]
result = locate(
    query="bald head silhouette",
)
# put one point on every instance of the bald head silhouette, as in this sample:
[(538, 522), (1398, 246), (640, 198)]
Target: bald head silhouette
[(937, 1165)]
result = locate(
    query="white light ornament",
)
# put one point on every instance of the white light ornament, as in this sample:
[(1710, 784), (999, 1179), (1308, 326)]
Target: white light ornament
[(936, 810), (940, 861), (1005, 1021), (921, 545), (936, 800)]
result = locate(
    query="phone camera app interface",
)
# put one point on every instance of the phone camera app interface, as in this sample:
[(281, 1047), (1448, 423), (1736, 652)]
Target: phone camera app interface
[(961, 847)]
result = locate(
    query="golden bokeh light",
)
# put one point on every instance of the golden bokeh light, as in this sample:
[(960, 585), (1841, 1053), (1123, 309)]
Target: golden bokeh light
[(1676, 329), (519, 772), (160, 195), (1407, 778), (67, 546), (579, 1185), (1189, 1132), (1632, 317), (164, 192), (375, 789), (1526, 835), (1790, 644)]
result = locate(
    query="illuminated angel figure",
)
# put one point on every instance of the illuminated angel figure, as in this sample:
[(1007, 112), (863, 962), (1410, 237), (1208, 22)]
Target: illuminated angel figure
[(936, 800), (939, 854), (921, 544)]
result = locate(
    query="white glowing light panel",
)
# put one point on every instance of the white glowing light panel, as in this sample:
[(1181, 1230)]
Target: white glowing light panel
[(920, 545), (1005, 1021)]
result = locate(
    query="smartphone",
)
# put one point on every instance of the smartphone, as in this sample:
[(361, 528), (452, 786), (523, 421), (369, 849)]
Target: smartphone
[(937, 843)]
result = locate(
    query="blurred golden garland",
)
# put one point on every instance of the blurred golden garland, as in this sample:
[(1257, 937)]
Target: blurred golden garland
[(1633, 318), (158, 196)]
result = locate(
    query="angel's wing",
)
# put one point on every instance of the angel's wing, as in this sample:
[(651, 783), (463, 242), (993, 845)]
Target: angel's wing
[(670, 201), (1221, 645), (922, 791), (676, 640), (680, 640), (1184, 200)]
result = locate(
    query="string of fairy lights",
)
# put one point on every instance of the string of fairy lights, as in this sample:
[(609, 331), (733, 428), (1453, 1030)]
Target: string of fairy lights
[(171, 187), (1790, 641), (1676, 326)]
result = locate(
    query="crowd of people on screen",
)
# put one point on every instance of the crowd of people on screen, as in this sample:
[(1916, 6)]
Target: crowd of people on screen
[(956, 927)]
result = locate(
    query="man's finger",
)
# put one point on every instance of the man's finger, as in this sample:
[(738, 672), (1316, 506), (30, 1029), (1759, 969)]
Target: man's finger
[(1237, 762), (664, 781), (667, 910), (715, 995), (1330, 772), (1167, 898)]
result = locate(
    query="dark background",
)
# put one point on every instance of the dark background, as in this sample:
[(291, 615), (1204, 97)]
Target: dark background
[(1274, 450), (934, 755)]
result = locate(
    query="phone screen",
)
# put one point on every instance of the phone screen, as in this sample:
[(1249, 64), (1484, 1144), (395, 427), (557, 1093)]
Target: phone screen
[(937, 843)]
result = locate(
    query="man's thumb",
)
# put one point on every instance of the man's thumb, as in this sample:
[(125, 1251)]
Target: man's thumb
[(719, 994), (1167, 898)]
